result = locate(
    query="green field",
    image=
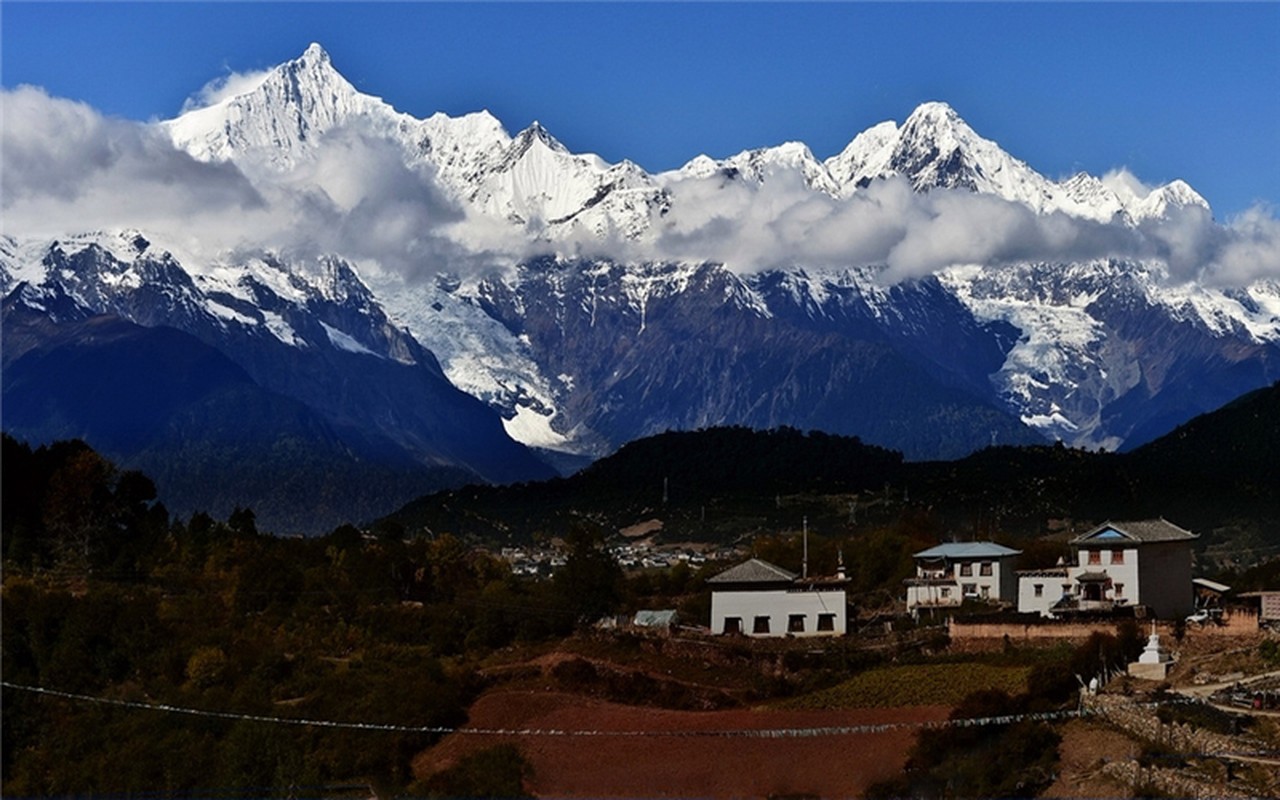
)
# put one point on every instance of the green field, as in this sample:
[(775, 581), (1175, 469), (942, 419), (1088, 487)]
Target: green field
[(915, 685)]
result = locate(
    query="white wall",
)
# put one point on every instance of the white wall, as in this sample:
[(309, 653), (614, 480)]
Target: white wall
[(1051, 592), (1156, 574), (1000, 585), (932, 595), (778, 605)]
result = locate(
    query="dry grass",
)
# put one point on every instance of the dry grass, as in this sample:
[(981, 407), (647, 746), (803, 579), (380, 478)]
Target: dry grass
[(915, 685)]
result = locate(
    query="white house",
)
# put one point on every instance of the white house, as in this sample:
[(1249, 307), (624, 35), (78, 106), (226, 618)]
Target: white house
[(951, 573), (757, 598), (1040, 589), (1117, 564)]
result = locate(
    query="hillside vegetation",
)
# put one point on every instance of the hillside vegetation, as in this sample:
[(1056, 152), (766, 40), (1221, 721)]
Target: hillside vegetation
[(1217, 475)]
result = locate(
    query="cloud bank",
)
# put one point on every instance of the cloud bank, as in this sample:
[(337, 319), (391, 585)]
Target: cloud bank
[(66, 169), (781, 223)]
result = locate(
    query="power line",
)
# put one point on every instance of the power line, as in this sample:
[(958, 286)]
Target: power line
[(739, 733), (735, 733)]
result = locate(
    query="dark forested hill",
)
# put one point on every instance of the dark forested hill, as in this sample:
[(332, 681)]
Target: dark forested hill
[(1217, 472), (161, 401)]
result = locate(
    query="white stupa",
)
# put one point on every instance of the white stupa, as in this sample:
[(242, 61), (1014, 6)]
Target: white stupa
[(1154, 662)]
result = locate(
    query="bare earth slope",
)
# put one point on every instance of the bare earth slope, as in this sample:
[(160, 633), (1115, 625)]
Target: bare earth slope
[(693, 764)]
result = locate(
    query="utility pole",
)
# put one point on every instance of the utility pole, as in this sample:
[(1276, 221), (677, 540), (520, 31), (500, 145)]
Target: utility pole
[(804, 564)]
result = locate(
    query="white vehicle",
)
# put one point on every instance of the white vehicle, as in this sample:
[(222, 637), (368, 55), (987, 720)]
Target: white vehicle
[(1204, 616)]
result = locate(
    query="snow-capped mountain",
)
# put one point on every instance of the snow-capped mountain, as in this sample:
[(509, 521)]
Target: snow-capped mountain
[(591, 333), (533, 182), (309, 332)]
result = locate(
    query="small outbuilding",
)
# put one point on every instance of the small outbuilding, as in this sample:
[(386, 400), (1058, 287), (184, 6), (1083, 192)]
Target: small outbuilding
[(656, 619)]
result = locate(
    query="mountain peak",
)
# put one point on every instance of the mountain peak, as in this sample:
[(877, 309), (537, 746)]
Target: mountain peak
[(278, 118), (934, 110), (314, 52), (937, 121), (311, 72), (535, 132)]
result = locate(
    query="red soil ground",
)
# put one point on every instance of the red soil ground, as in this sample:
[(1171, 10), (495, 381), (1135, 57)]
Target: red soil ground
[(700, 766)]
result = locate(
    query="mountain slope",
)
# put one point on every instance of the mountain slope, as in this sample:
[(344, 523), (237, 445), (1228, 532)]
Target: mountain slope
[(660, 348), (158, 400), (1216, 475), (576, 299)]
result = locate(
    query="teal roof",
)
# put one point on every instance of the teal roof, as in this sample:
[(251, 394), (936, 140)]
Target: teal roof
[(968, 550), (647, 618)]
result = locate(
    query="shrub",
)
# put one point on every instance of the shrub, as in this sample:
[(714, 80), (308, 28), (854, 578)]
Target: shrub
[(207, 667), (499, 772), (1201, 715), (1269, 651)]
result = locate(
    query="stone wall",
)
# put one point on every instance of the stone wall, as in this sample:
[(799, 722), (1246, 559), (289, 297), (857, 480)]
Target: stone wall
[(1139, 720), (1234, 623)]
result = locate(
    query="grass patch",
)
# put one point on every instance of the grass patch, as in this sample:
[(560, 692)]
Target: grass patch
[(914, 685)]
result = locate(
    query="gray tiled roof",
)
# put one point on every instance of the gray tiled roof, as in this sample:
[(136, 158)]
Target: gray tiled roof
[(1093, 577), (1147, 530), (968, 550), (753, 571)]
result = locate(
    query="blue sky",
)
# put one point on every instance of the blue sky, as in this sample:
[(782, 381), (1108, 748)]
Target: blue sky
[(1187, 91)]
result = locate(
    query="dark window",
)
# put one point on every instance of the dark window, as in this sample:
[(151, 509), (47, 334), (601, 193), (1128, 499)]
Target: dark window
[(826, 622), (1039, 587), (795, 623), (733, 624), (966, 569), (985, 568), (1119, 590), (970, 589), (1117, 556), (1095, 556), (761, 625)]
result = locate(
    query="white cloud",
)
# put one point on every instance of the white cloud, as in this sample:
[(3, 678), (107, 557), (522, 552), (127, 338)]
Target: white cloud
[(228, 86), (1125, 184), (68, 169), (1249, 249)]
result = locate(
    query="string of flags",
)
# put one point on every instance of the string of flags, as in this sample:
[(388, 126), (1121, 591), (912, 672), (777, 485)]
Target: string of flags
[(745, 733)]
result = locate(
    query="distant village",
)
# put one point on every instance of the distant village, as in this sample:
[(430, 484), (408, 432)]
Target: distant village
[(1120, 570)]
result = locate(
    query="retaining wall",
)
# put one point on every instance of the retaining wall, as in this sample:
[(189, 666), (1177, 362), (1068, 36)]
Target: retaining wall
[(976, 635)]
